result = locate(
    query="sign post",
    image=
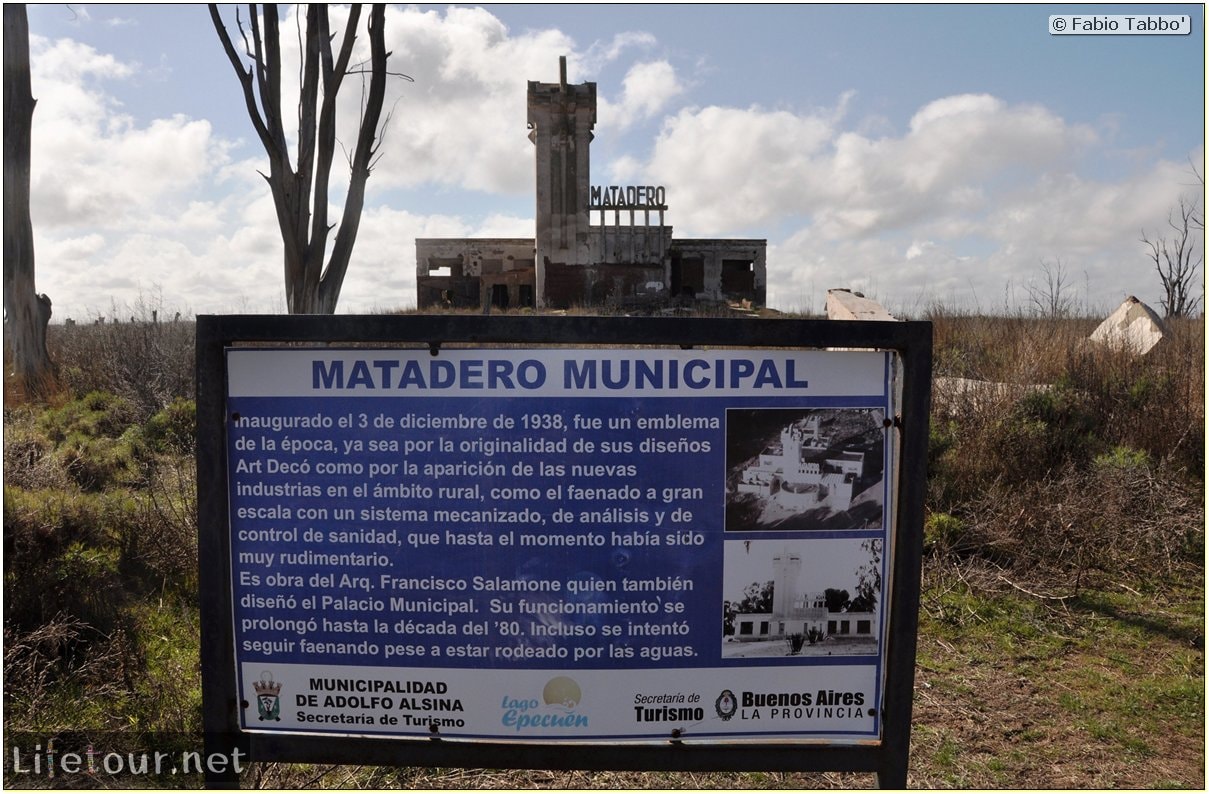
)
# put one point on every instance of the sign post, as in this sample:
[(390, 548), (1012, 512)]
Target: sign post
[(562, 542)]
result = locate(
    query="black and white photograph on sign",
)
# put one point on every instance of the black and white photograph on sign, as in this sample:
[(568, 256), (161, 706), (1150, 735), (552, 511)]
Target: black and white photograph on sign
[(795, 469), (801, 598)]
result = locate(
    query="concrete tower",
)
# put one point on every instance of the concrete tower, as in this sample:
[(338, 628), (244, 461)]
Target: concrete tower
[(791, 450), (786, 565), (561, 118)]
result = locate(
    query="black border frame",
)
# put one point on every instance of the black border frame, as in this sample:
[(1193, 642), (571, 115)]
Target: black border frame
[(888, 759)]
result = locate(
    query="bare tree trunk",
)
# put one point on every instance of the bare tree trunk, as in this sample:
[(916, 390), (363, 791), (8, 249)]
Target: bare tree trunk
[(26, 313), (363, 159), (300, 194)]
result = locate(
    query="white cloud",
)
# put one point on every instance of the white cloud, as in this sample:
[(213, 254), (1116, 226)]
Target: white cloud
[(119, 207), (731, 169), (462, 122), (170, 208), (726, 169), (646, 90), (992, 188), (917, 249), (65, 59), (600, 53), (90, 163)]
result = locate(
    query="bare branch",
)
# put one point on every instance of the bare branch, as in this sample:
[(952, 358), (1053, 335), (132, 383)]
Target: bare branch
[(315, 40), (245, 77), (1198, 218), (333, 76), (1176, 260)]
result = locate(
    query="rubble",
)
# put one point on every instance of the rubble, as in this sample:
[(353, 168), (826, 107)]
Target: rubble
[(1133, 326), (844, 304)]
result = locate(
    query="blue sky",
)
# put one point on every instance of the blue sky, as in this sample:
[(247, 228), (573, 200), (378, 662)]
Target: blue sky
[(935, 153)]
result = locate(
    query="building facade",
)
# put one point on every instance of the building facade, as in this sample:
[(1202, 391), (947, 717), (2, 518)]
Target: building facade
[(804, 472), (628, 256), (796, 613)]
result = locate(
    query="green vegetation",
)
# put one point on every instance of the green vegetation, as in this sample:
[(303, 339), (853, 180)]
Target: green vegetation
[(1105, 690), (1062, 621)]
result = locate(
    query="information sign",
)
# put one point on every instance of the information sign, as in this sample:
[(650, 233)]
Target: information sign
[(575, 546)]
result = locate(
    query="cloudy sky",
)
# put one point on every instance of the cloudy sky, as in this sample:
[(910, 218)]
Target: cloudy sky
[(923, 154)]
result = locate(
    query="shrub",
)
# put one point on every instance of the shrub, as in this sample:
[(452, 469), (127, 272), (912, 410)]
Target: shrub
[(98, 510), (28, 453), (943, 532), (1122, 457), (39, 524), (160, 544), (173, 429), (96, 442), (1078, 461), (1044, 430), (97, 464), (96, 414), (1153, 403), (35, 660), (92, 440), (1124, 522), (137, 352), (61, 558)]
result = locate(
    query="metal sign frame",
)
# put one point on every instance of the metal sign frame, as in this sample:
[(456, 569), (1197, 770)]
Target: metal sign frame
[(887, 758)]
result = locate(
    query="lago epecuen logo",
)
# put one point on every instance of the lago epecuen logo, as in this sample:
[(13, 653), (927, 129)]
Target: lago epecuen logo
[(561, 697)]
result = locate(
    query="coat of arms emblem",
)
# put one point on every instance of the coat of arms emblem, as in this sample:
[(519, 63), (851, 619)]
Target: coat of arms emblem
[(268, 697)]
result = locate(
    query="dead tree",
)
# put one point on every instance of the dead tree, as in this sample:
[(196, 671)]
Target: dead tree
[(26, 313), (1051, 296), (300, 189), (1177, 260)]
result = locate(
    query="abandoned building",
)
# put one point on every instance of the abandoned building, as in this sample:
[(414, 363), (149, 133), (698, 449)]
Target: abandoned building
[(804, 473), (628, 256), (797, 614)]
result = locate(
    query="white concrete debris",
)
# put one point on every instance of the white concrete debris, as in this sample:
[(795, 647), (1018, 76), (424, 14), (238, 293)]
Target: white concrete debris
[(1133, 326), (845, 304), (961, 396)]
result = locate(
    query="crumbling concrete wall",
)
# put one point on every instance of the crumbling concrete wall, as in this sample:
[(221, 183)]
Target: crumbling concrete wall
[(466, 272), (596, 285), (718, 270), (630, 244)]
